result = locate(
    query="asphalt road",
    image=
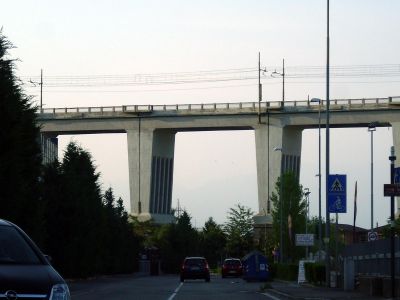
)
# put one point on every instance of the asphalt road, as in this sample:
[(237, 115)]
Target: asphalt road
[(169, 287)]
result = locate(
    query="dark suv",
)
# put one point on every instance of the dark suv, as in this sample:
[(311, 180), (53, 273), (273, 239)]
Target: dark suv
[(195, 268), (25, 273)]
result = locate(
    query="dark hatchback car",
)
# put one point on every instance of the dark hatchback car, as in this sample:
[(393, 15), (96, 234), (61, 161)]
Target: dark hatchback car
[(195, 268), (232, 267), (25, 273)]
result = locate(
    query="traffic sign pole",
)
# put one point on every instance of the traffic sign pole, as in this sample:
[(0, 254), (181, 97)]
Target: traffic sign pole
[(392, 158)]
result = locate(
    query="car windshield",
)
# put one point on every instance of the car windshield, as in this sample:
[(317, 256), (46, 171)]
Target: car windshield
[(232, 262), (195, 262), (14, 249)]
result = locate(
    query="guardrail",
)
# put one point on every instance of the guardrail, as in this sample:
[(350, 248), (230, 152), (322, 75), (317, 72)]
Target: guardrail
[(245, 106)]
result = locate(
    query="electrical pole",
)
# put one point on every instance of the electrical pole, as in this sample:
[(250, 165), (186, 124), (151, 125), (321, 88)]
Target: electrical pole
[(327, 227)]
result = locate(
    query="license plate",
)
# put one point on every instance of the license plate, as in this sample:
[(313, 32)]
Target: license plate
[(195, 268)]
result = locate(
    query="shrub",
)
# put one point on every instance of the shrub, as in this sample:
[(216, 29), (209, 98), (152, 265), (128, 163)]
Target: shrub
[(315, 273)]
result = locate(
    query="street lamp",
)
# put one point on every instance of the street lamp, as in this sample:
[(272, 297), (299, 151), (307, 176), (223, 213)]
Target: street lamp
[(372, 128), (327, 141), (319, 176), (283, 79), (307, 195), (281, 209)]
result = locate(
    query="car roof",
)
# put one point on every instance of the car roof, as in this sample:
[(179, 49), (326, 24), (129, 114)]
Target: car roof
[(4, 222)]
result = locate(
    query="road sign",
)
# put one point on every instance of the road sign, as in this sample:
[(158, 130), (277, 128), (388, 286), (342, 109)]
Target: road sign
[(397, 175), (337, 193), (305, 239), (391, 190), (372, 236)]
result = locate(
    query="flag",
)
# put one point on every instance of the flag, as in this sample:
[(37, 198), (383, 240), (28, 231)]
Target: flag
[(355, 214)]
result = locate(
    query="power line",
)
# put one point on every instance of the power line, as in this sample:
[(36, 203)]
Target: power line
[(216, 76)]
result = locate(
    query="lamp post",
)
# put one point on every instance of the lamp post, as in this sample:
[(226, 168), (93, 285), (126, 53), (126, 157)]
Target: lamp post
[(319, 176), (283, 79), (372, 128), (327, 227), (307, 195), (281, 209)]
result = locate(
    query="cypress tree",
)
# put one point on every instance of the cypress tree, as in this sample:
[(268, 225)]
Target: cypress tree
[(20, 156)]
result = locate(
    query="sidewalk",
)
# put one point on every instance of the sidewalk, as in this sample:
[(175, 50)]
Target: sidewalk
[(292, 290)]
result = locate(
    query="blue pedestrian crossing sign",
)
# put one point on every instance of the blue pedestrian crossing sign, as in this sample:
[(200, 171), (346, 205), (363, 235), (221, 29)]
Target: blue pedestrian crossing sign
[(397, 175), (337, 194)]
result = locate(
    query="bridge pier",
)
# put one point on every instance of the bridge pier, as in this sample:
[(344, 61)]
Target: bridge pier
[(278, 150), (150, 159)]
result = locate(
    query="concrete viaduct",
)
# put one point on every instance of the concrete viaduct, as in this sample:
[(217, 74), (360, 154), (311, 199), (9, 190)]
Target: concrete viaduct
[(151, 133)]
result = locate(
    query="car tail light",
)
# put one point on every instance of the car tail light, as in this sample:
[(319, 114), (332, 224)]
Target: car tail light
[(207, 267)]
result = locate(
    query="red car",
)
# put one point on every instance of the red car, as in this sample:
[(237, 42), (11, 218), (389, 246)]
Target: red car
[(232, 267), (195, 268)]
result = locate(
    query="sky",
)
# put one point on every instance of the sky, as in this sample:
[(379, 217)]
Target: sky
[(82, 45)]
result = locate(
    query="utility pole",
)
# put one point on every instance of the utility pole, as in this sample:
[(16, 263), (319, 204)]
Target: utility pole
[(259, 87), (41, 88), (392, 158), (327, 227)]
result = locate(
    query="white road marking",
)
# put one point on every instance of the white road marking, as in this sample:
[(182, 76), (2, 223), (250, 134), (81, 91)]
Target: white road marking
[(270, 296), (175, 292)]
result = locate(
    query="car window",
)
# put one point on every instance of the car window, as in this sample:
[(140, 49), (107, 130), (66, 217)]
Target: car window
[(195, 262), (232, 262), (14, 249)]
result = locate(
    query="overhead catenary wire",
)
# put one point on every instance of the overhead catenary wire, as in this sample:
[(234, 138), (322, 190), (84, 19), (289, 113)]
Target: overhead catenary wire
[(220, 76)]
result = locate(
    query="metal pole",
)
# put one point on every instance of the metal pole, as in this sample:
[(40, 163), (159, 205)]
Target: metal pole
[(281, 215), (327, 227), (392, 158), (319, 182), (372, 180), (41, 89), (259, 89), (283, 81)]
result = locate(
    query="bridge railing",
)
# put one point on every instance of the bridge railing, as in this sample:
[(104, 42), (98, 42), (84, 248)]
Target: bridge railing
[(245, 106)]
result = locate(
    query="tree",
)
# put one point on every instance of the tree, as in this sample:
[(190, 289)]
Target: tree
[(213, 241), (176, 241), (239, 231), (293, 214), (20, 155)]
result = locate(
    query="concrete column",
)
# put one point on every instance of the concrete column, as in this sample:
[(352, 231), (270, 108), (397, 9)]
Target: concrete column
[(291, 149), (49, 147), (150, 158), (269, 161), (396, 144)]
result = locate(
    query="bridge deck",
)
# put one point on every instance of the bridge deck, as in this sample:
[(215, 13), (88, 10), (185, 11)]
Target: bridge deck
[(228, 108)]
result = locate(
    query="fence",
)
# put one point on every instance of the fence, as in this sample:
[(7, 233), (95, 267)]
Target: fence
[(373, 258)]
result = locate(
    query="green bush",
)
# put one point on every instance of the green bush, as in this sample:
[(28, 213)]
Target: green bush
[(315, 273), (287, 271)]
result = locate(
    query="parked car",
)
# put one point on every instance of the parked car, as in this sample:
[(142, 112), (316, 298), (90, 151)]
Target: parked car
[(232, 267), (195, 268), (25, 273)]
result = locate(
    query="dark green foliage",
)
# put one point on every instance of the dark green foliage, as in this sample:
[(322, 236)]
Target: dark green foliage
[(315, 273), (213, 240), (86, 233), (176, 241), (287, 271), (20, 156), (294, 206), (239, 231)]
